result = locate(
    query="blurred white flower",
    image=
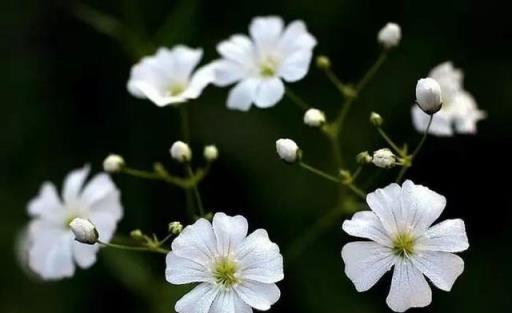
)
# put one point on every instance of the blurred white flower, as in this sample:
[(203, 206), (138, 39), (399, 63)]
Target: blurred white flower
[(428, 95), (235, 272), (287, 150), (113, 163), (259, 63), (384, 158), (389, 36), (314, 117), (210, 153), (400, 233), (181, 152), (459, 113), (168, 77), (52, 249)]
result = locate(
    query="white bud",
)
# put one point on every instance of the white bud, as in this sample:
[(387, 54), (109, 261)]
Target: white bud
[(287, 150), (428, 95), (389, 36), (314, 117), (175, 228), (384, 158), (210, 153), (181, 152), (113, 163), (376, 119), (84, 231)]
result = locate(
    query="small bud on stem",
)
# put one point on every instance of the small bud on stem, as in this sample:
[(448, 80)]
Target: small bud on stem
[(84, 231)]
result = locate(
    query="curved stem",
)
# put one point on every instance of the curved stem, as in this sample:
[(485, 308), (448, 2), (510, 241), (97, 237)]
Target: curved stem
[(371, 72), (319, 172), (390, 141), (197, 195), (301, 103), (134, 248)]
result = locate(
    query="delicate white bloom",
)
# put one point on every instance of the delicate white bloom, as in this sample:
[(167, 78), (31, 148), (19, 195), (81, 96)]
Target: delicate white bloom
[(181, 152), (84, 231), (428, 95), (287, 150), (210, 153), (113, 163), (384, 158), (389, 36), (259, 63), (400, 233), (235, 272), (52, 251), (168, 77), (459, 112), (314, 117)]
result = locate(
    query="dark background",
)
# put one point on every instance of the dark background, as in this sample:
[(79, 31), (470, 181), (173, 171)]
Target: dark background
[(64, 103)]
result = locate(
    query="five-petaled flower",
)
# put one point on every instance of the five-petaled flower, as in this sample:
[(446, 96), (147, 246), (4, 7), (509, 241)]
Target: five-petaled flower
[(52, 248), (259, 63), (459, 113), (399, 227), (168, 77), (235, 272)]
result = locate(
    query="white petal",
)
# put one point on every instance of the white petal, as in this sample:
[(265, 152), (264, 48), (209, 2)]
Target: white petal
[(229, 231), (409, 289), (198, 300), (386, 204), (184, 271), (238, 48), (101, 194), (420, 207), (184, 61), (156, 95), (227, 301), (441, 124), (259, 258), (47, 203), (442, 268), (196, 242), (200, 79), (447, 236), (296, 37), (84, 254), (105, 224), (241, 96), (295, 66), (367, 225), (258, 295), (228, 72), (50, 254), (366, 262), (73, 184), (266, 31), (269, 92), (466, 114)]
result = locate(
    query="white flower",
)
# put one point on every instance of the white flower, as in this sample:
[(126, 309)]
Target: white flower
[(84, 231), (210, 153), (287, 150), (235, 272), (181, 152), (459, 113), (384, 158), (113, 163), (428, 95), (168, 77), (314, 117), (53, 251), (259, 62), (389, 36), (400, 233)]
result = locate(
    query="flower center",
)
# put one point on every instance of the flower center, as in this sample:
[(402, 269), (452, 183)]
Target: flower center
[(403, 245), (175, 89), (268, 67), (224, 272)]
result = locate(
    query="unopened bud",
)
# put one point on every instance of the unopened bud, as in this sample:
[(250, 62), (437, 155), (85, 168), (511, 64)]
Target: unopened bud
[(84, 231), (364, 158), (210, 153), (376, 119), (323, 62), (136, 234), (287, 150), (384, 158), (113, 163), (314, 118), (175, 228), (428, 95), (389, 36), (181, 152)]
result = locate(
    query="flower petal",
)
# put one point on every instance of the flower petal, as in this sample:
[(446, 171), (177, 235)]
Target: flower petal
[(196, 242), (366, 262), (239, 49), (420, 207), (269, 92), (367, 225), (385, 203), (266, 31), (241, 96), (198, 300), (73, 184), (47, 203), (259, 258), (296, 37), (258, 295), (101, 194), (84, 254), (230, 231), (200, 79), (295, 66), (441, 124), (409, 289), (157, 95), (184, 271), (184, 61), (442, 268), (228, 72), (447, 236)]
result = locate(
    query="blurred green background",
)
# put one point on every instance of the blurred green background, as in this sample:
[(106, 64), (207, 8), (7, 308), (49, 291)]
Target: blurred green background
[(64, 103)]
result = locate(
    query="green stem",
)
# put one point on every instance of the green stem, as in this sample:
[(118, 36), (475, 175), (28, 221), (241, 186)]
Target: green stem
[(390, 141), (358, 191), (344, 89), (134, 248), (197, 195), (165, 239), (185, 127), (301, 103), (319, 172), (372, 71)]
